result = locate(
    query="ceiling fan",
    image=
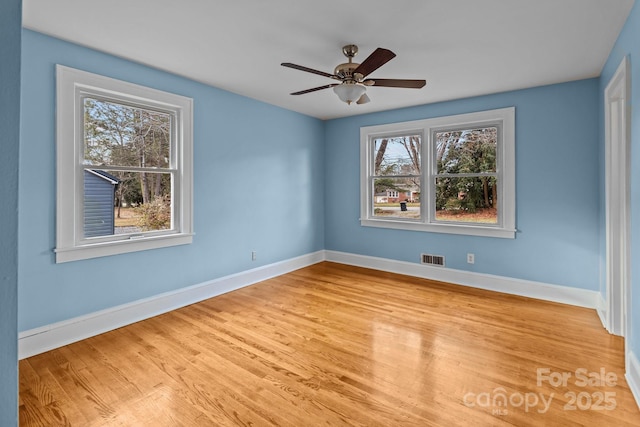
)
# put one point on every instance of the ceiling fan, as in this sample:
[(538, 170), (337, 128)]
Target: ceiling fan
[(353, 76)]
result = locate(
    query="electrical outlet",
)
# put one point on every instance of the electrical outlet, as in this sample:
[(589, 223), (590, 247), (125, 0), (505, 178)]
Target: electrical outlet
[(254, 256), (471, 258)]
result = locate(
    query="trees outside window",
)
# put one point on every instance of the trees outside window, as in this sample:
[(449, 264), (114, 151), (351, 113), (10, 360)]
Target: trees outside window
[(396, 176), (466, 181), (134, 145)]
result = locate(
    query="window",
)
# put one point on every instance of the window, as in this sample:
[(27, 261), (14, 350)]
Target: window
[(451, 174), (124, 159)]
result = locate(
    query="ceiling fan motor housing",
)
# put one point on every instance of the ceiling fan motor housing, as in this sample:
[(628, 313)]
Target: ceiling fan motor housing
[(345, 71)]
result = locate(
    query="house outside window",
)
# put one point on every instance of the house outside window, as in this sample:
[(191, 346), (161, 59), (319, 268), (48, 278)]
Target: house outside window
[(452, 174), (99, 194), (124, 159)]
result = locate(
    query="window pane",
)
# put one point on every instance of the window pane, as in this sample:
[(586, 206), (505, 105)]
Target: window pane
[(120, 135), (117, 202), (397, 197), (467, 199), (466, 151), (397, 156)]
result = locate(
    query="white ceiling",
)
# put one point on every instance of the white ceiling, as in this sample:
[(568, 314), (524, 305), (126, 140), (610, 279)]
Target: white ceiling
[(462, 48)]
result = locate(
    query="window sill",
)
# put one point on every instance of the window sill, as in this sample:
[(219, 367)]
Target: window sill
[(469, 230), (95, 250)]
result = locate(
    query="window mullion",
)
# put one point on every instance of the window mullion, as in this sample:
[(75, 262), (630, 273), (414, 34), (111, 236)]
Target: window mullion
[(429, 175)]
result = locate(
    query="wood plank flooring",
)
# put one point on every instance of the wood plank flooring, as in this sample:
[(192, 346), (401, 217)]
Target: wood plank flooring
[(336, 345)]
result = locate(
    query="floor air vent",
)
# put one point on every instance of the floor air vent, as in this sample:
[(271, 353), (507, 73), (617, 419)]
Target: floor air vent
[(437, 260)]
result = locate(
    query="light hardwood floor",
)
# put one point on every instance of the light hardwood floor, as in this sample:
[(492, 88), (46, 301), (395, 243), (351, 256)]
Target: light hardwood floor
[(337, 345)]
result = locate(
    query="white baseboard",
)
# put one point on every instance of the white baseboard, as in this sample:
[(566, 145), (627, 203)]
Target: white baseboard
[(543, 291), (601, 309), (48, 337), (633, 375)]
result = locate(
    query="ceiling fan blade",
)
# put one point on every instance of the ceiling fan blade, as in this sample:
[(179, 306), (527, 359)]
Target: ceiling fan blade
[(377, 59), (308, 70), (411, 84), (302, 92), (363, 99)]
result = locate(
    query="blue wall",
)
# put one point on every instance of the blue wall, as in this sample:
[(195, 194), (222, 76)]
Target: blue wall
[(258, 186), (557, 185), (10, 33), (628, 44)]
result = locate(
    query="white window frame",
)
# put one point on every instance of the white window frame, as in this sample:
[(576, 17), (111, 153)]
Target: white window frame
[(504, 118), (72, 87)]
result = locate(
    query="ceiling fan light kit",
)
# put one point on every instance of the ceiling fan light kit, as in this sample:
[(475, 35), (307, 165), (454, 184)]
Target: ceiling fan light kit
[(349, 91), (353, 86)]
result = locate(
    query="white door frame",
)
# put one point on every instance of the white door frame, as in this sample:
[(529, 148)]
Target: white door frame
[(617, 204)]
